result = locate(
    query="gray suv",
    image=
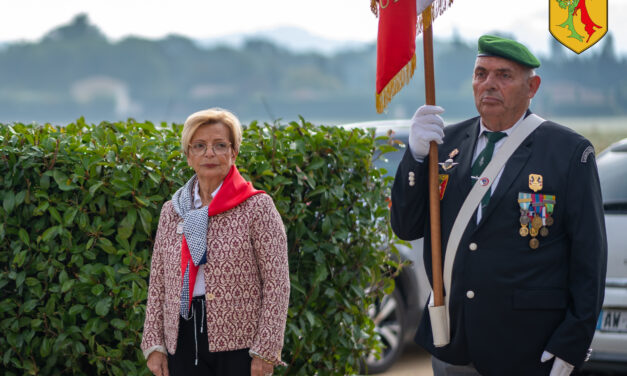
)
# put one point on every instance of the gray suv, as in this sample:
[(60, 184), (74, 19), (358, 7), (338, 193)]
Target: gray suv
[(609, 345)]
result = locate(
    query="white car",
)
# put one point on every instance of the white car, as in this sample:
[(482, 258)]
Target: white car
[(609, 346)]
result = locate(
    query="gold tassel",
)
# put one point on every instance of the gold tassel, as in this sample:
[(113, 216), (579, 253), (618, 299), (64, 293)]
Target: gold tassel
[(395, 85), (374, 8), (437, 8)]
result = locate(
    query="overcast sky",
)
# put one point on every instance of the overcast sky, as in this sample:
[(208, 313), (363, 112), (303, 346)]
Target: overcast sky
[(335, 19)]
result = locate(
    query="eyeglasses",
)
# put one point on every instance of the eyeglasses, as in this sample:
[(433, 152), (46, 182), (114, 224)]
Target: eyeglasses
[(200, 148)]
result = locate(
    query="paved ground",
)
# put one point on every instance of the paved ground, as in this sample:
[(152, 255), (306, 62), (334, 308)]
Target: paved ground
[(417, 362), (414, 362)]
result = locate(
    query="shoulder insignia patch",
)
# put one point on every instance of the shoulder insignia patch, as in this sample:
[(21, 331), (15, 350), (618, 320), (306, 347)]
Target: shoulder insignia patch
[(584, 156)]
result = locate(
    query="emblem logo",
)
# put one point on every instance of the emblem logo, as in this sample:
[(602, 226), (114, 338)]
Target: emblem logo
[(535, 182), (484, 181), (578, 24)]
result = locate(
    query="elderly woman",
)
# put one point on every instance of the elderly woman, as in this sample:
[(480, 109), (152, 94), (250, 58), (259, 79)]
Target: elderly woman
[(219, 278)]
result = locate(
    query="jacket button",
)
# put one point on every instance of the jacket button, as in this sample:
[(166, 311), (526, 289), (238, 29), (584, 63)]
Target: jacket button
[(210, 296), (470, 294), (472, 246)]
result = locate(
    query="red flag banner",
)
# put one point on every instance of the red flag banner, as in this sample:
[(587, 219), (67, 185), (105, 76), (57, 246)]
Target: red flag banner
[(396, 46), (399, 21)]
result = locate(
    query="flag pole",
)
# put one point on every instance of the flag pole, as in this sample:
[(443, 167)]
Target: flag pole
[(434, 191)]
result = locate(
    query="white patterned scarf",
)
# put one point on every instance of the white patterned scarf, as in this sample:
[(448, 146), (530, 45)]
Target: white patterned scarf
[(195, 224)]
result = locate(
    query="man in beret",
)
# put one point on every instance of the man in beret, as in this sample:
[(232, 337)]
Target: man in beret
[(528, 271)]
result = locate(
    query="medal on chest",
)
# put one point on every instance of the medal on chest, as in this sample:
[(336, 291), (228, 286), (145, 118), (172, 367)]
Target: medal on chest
[(536, 211)]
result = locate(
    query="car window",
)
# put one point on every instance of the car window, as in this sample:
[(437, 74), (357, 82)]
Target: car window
[(391, 160), (613, 177)]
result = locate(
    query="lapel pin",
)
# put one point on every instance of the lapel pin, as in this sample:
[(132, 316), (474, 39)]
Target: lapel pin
[(448, 164), (443, 178)]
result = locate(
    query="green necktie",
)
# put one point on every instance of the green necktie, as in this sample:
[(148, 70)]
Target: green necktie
[(484, 158)]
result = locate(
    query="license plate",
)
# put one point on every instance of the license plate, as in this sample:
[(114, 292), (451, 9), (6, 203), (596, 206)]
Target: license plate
[(612, 320)]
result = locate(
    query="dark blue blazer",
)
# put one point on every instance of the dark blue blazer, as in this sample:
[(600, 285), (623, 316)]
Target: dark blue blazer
[(525, 300)]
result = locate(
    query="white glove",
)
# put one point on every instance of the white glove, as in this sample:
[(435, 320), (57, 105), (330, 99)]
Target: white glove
[(426, 126), (560, 367)]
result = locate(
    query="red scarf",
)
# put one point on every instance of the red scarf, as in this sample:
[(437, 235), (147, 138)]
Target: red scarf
[(233, 192)]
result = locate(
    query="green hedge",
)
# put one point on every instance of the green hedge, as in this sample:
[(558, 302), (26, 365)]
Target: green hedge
[(80, 206)]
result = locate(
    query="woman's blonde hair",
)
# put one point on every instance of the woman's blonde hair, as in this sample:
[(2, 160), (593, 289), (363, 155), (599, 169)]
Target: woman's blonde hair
[(212, 116)]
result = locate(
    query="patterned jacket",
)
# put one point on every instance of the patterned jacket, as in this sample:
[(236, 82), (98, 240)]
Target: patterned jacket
[(246, 281)]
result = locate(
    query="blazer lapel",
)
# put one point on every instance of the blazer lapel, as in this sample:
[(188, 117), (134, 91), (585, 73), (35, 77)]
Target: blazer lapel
[(461, 174), (511, 170)]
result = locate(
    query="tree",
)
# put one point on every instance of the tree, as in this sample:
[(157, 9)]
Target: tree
[(79, 28), (607, 53)]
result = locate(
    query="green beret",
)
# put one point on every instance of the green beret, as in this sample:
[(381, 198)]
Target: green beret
[(490, 45)]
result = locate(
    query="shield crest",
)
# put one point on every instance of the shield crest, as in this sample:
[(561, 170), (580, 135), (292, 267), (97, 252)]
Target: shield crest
[(535, 182), (578, 24)]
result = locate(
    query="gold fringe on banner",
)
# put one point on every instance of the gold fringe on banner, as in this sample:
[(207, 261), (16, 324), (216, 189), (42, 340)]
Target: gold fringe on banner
[(374, 8), (437, 8), (395, 85)]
